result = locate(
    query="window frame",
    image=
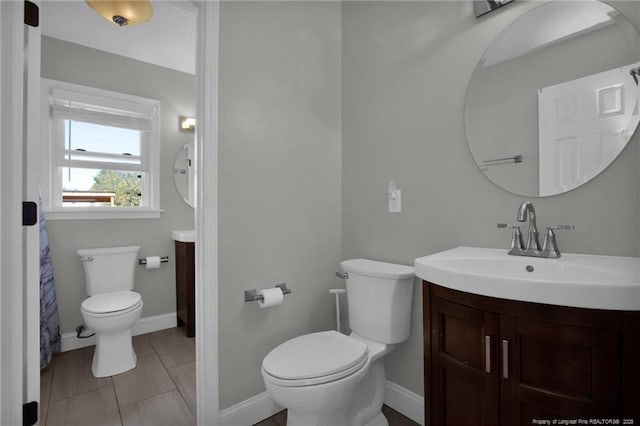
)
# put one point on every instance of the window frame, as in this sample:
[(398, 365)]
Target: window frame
[(54, 149)]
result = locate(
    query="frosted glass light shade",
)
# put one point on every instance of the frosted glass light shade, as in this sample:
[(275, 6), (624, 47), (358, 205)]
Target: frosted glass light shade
[(123, 12)]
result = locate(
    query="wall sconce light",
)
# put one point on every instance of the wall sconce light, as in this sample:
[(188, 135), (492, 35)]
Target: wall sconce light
[(123, 12), (481, 7), (186, 124)]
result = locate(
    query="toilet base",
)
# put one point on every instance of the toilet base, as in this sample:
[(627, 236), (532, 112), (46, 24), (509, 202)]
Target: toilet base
[(324, 419), (331, 419), (316, 419), (379, 420), (114, 354), (362, 408), (367, 408)]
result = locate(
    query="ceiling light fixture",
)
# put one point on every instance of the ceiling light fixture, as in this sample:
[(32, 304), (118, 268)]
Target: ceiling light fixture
[(123, 12)]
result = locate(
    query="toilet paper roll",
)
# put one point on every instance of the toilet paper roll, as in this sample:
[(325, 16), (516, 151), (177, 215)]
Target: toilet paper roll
[(272, 297), (153, 262)]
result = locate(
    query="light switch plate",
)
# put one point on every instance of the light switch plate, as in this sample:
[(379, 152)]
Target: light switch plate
[(395, 201)]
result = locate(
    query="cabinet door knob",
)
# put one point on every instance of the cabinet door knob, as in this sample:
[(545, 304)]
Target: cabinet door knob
[(487, 354), (505, 358)]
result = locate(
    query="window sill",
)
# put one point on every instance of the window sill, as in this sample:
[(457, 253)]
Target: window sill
[(97, 213)]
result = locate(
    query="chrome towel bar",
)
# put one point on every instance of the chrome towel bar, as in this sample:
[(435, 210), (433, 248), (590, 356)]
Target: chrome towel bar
[(514, 159)]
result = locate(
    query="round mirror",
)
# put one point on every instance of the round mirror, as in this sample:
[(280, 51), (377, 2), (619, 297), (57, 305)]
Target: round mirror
[(184, 173), (554, 99)]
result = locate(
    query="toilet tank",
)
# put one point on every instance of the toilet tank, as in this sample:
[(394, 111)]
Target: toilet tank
[(109, 269), (379, 299)]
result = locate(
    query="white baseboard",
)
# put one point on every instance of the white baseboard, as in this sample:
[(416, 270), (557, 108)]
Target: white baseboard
[(143, 326), (155, 323), (262, 406), (407, 403), (250, 411)]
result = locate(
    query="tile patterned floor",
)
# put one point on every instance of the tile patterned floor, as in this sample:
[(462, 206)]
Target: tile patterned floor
[(160, 391)]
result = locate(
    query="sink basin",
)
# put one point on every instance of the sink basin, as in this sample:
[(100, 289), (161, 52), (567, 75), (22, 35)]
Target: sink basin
[(187, 236), (578, 280)]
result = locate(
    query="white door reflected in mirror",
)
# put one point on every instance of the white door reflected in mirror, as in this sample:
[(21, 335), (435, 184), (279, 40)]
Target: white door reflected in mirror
[(583, 125)]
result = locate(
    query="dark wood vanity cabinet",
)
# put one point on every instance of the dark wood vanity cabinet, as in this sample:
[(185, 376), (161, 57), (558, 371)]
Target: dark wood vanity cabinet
[(497, 362), (185, 286), (465, 378)]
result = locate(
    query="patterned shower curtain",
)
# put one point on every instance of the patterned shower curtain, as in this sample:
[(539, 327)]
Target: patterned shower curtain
[(49, 322)]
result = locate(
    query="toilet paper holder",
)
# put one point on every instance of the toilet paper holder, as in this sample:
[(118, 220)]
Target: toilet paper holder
[(163, 259), (252, 295)]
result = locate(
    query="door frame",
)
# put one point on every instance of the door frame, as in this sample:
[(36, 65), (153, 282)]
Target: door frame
[(13, 371), (206, 213), (31, 192)]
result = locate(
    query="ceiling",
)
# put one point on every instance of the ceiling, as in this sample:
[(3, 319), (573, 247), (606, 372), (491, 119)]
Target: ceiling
[(168, 39)]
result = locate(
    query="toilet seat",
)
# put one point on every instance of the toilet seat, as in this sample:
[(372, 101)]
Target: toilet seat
[(109, 304), (314, 359)]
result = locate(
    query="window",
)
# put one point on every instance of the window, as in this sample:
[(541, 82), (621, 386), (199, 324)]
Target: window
[(102, 151)]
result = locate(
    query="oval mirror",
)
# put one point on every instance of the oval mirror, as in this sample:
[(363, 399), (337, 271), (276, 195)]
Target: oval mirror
[(554, 99), (184, 173)]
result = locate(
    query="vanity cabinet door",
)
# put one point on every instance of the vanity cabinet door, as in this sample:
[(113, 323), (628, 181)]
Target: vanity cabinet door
[(558, 371), (465, 379), (185, 287)]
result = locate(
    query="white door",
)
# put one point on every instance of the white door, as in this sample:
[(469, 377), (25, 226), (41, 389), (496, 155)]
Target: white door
[(18, 255), (11, 348), (31, 184), (583, 125), (19, 251)]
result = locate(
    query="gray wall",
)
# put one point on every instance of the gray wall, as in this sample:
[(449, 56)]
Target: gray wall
[(405, 70), (279, 170), (176, 91)]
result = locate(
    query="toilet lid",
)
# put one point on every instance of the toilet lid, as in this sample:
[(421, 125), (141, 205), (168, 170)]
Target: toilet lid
[(314, 355), (111, 302)]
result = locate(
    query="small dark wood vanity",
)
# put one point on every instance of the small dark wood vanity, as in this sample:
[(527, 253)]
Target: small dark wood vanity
[(185, 286), (490, 361)]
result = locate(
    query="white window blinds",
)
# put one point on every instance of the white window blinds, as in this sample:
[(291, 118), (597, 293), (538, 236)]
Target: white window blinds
[(115, 120), (69, 105)]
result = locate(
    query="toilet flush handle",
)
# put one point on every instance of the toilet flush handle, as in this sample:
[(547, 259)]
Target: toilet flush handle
[(85, 259), (343, 275)]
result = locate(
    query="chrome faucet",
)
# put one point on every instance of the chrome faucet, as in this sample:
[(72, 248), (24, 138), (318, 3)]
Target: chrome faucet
[(526, 209), (532, 247)]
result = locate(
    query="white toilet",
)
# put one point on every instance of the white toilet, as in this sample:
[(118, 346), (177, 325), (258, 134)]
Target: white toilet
[(329, 379), (112, 308)]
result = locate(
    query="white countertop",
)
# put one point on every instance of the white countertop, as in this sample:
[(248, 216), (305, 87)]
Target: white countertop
[(578, 280)]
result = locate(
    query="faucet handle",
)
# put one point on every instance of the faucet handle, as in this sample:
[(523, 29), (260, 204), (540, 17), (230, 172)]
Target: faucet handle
[(516, 237), (562, 227), (550, 245)]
